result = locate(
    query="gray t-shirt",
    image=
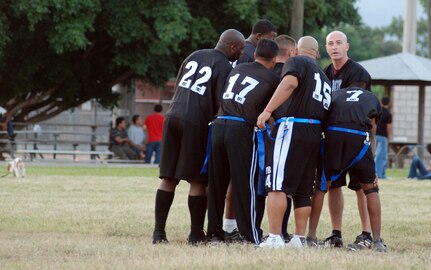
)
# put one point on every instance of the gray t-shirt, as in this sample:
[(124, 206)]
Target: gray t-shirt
[(136, 134)]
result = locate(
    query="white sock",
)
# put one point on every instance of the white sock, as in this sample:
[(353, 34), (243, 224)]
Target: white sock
[(299, 236), (229, 225), (273, 235)]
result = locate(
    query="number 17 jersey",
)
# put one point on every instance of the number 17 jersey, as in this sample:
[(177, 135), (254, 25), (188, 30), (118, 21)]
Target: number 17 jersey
[(248, 89), (199, 87)]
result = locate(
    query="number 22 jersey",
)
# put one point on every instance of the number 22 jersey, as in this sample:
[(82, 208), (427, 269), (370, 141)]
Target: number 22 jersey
[(199, 87)]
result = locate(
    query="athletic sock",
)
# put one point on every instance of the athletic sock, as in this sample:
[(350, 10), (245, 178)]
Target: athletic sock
[(367, 234), (336, 233), (229, 225), (260, 211), (163, 204), (286, 217), (273, 235), (197, 209)]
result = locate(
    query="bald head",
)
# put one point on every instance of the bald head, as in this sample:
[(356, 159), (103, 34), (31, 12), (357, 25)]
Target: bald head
[(231, 36), (231, 43), (308, 46), (336, 35)]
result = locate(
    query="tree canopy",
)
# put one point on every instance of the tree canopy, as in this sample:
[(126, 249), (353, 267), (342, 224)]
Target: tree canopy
[(57, 54)]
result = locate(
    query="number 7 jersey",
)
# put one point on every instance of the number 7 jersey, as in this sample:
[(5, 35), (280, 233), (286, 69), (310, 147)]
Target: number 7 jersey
[(199, 87)]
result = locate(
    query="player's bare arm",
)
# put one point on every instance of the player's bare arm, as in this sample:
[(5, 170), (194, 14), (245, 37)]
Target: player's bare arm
[(281, 94)]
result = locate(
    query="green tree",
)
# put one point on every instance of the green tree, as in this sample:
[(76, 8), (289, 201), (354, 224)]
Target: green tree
[(57, 54)]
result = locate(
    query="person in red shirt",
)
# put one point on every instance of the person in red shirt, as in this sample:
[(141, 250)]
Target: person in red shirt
[(153, 126)]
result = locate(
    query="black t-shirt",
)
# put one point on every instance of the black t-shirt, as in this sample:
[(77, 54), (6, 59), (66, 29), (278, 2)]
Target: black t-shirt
[(353, 106), (278, 68), (385, 119), (247, 54), (248, 89), (350, 73), (312, 97), (199, 87)]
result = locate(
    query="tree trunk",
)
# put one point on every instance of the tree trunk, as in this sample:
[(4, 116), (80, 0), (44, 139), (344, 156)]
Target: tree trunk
[(297, 21)]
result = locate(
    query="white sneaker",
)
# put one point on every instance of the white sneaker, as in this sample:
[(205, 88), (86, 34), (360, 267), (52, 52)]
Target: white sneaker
[(273, 242), (296, 242)]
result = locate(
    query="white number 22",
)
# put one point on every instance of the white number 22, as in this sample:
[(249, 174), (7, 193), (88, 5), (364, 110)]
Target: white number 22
[(198, 85)]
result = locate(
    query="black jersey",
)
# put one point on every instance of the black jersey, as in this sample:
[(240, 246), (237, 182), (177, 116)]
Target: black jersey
[(385, 119), (312, 97), (199, 86), (349, 74), (247, 54), (278, 68), (248, 89), (353, 105)]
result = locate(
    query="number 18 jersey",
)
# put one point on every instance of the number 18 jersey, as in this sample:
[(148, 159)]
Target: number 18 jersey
[(199, 87), (248, 89)]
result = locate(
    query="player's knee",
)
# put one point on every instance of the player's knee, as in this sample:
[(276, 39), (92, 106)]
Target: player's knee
[(168, 184), (301, 201), (197, 189), (369, 188)]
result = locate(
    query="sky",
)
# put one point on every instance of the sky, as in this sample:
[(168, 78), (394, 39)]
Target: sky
[(376, 13)]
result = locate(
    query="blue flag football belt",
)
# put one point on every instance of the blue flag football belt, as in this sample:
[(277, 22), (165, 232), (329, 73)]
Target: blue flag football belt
[(354, 161), (297, 120), (204, 169)]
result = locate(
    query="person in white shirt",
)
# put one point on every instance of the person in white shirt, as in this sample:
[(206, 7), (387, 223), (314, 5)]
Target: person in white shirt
[(137, 135)]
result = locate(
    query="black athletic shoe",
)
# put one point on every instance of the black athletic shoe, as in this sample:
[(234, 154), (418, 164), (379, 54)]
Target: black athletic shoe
[(379, 246), (361, 242), (312, 242), (233, 236), (213, 240), (287, 237), (196, 238), (159, 237), (333, 241)]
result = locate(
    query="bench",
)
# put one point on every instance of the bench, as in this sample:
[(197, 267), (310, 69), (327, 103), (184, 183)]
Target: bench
[(33, 152)]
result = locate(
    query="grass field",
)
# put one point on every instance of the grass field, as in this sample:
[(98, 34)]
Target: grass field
[(102, 218)]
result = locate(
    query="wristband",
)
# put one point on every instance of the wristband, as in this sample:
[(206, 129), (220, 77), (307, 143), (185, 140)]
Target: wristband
[(268, 111)]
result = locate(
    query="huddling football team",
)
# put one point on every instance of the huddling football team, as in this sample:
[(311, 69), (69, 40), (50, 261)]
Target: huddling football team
[(256, 124)]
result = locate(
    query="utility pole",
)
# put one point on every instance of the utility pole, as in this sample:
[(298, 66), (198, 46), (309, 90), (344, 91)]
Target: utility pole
[(428, 7), (297, 21), (410, 27)]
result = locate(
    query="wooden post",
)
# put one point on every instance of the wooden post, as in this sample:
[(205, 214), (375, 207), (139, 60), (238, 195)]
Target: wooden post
[(421, 119)]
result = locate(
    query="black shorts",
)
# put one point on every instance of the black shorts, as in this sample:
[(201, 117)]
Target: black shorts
[(292, 159), (183, 150), (340, 148)]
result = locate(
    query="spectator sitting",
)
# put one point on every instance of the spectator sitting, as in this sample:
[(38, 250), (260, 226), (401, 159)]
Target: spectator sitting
[(154, 127), (119, 143), (418, 170), (137, 136)]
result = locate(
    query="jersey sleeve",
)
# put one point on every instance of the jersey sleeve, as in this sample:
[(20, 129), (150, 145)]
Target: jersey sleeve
[(293, 67)]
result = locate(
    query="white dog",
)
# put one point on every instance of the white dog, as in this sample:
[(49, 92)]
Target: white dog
[(16, 167)]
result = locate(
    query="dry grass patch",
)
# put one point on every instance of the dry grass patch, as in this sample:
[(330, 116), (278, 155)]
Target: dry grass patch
[(84, 218)]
